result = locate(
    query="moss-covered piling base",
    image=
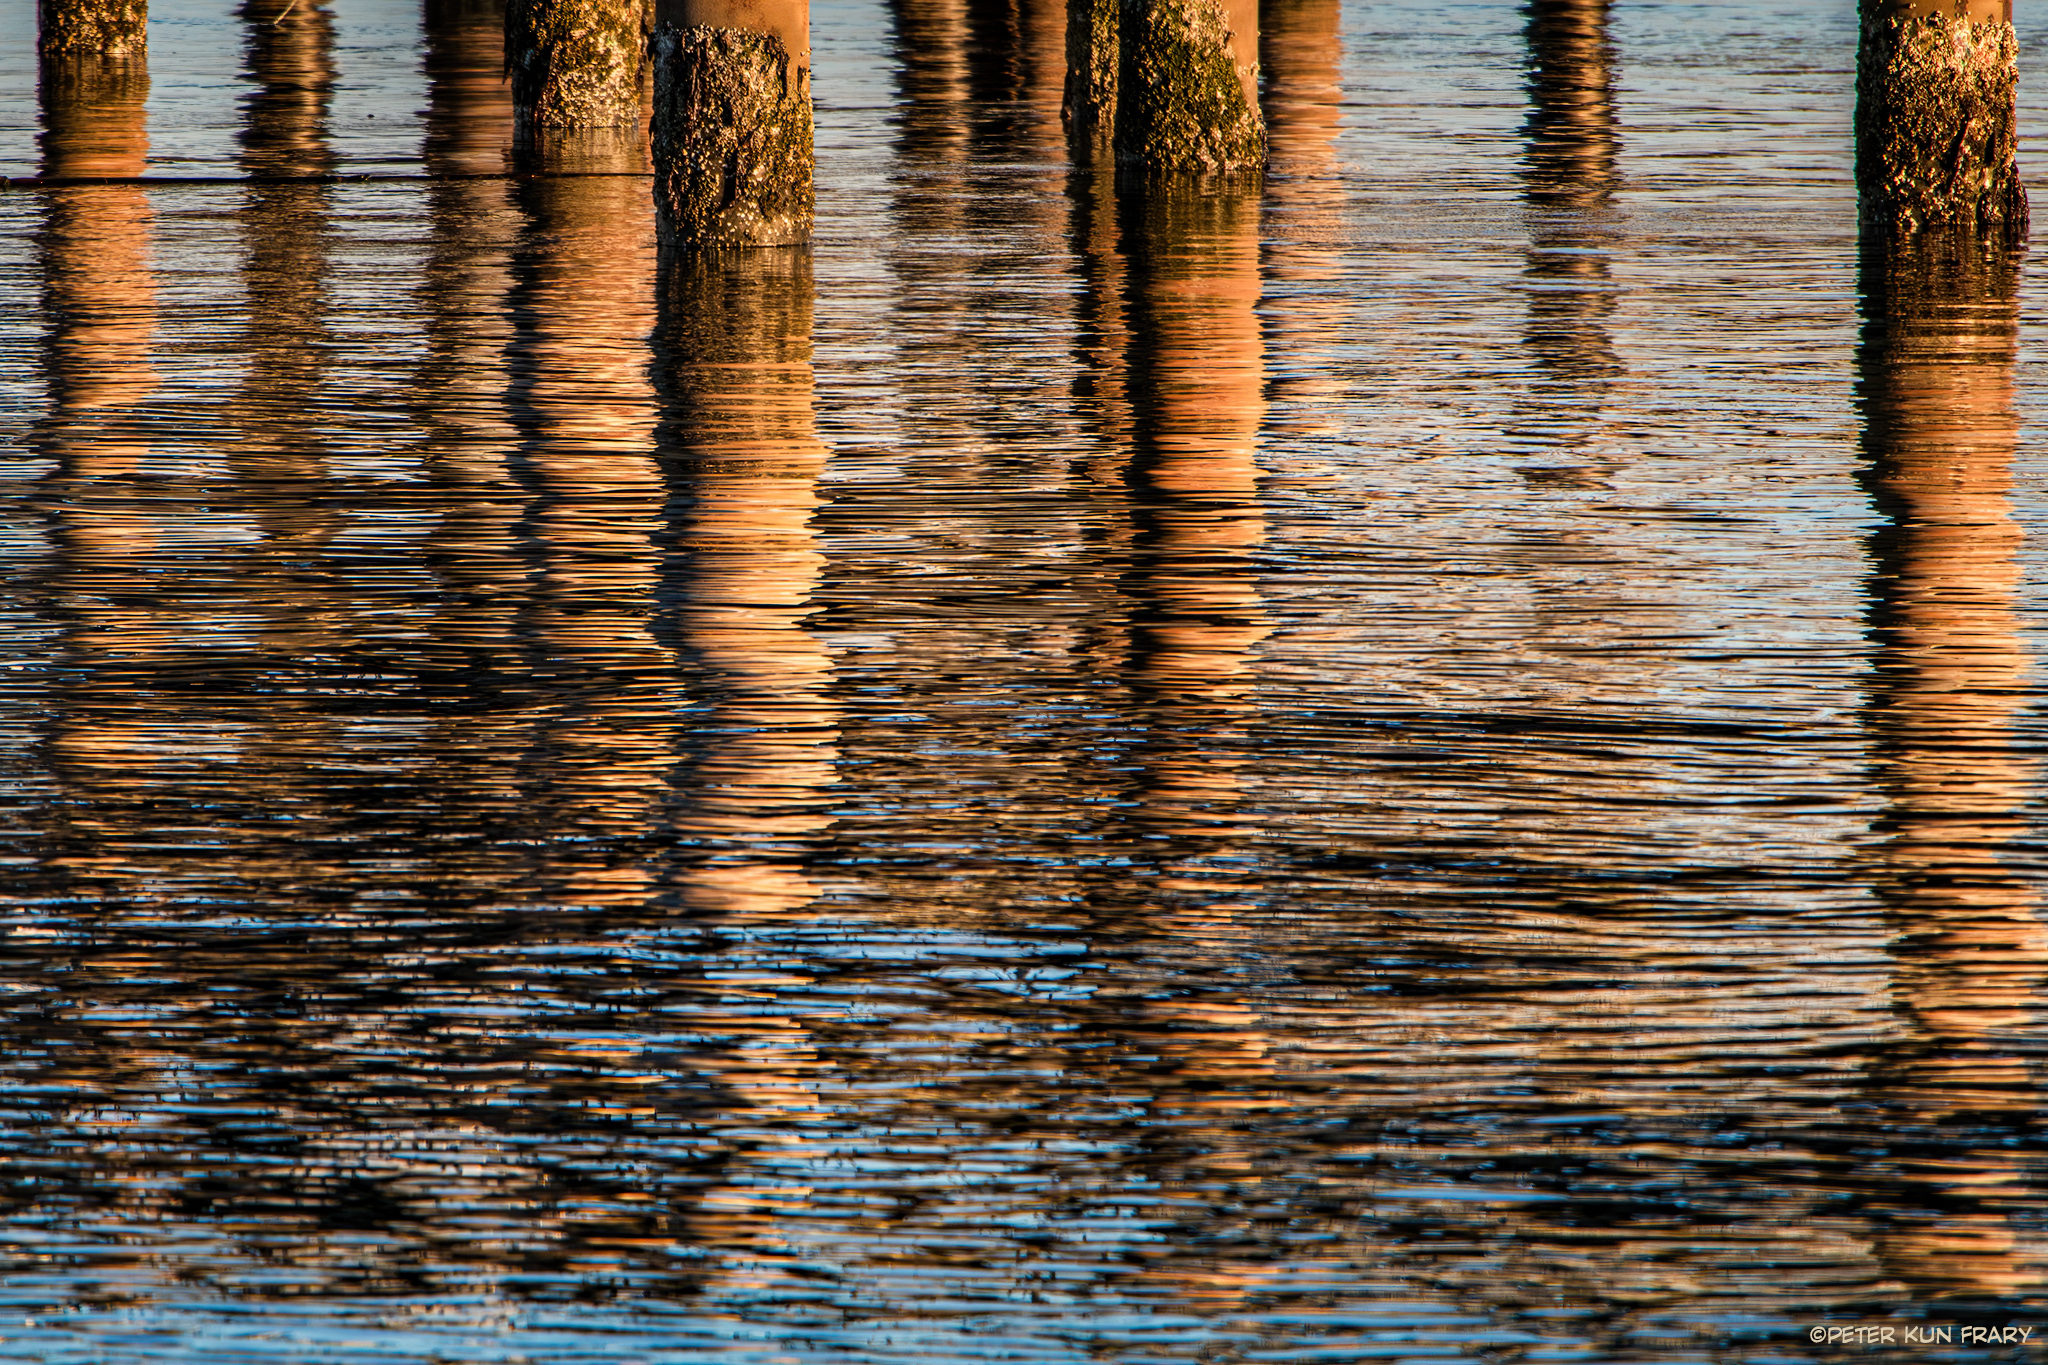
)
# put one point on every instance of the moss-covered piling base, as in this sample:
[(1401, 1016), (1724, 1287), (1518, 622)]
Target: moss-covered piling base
[(576, 63), (92, 26), (1935, 118), (732, 139), (1182, 98), (1089, 105)]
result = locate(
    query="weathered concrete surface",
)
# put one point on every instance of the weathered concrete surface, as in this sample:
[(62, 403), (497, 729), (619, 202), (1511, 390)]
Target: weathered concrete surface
[(576, 63), (1089, 106), (109, 26), (1187, 86), (1935, 116), (732, 138)]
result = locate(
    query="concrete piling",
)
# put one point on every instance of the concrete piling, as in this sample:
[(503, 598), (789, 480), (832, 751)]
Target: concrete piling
[(92, 26), (732, 134), (1187, 96), (575, 63), (1935, 115), (1089, 105)]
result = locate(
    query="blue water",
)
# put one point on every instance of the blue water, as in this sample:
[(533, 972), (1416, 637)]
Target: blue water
[(1438, 759)]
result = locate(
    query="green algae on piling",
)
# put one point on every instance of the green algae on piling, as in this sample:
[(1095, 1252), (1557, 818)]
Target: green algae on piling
[(1185, 96)]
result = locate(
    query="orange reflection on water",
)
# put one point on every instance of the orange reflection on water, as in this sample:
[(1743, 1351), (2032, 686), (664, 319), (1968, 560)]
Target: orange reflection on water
[(1570, 169), (739, 444), (288, 56), (1946, 707), (99, 300), (1196, 375), (468, 124), (733, 359), (99, 293), (1311, 304), (581, 303)]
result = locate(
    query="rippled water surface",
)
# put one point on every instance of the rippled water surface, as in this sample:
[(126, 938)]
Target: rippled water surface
[(1439, 759)]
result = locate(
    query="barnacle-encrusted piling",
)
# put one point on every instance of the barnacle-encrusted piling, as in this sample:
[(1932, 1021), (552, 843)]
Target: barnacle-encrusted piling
[(1187, 86), (1935, 115), (85, 26), (575, 63), (732, 138), (1089, 104)]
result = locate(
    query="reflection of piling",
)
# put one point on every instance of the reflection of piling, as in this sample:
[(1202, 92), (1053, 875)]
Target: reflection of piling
[(289, 57), (580, 307), (1196, 371), (934, 84), (1017, 76), (92, 26), (459, 392), (1187, 85), (1299, 46), (732, 135), (290, 62), (1945, 713), (742, 460), (1935, 115), (1308, 306), (1570, 138), (1571, 147), (1101, 333), (468, 121), (575, 63), (99, 297), (94, 124)]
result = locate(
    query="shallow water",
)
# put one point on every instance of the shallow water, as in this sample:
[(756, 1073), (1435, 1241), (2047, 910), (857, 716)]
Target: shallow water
[(1437, 761)]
